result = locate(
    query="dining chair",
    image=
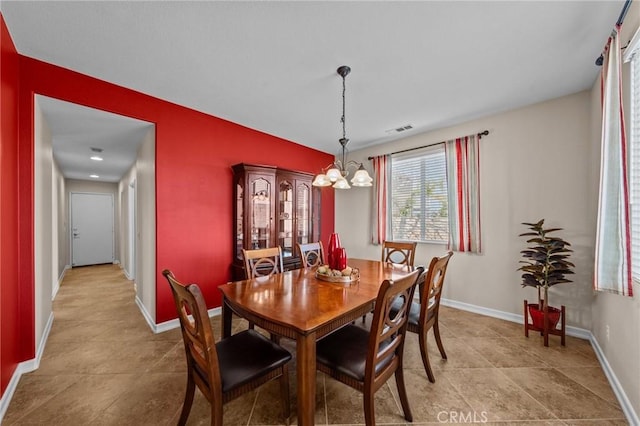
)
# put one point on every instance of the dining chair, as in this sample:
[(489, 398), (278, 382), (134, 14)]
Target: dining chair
[(230, 368), (399, 252), (262, 262), (312, 254), (423, 315), (366, 359), (402, 253)]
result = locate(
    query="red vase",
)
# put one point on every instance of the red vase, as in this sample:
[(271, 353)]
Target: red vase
[(340, 258), (334, 243)]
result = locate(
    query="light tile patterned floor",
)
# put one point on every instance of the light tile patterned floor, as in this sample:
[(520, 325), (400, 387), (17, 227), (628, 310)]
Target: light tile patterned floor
[(102, 365)]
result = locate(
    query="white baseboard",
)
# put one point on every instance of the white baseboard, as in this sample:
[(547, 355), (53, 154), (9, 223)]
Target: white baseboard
[(578, 332), (627, 407), (126, 274), (56, 286), (43, 342), (625, 404), (11, 388), (147, 316), (24, 368), (171, 324), (175, 323)]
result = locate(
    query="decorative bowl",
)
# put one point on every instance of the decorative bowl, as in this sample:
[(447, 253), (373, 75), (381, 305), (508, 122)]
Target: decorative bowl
[(354, 276)]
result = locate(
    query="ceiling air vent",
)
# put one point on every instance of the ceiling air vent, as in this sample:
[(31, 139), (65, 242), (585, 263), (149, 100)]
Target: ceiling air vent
[(96, 149), (400, 129)]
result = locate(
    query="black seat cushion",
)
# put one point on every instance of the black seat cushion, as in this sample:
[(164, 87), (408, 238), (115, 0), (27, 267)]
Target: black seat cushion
[(246, 355), (414, 313), (345, 350)]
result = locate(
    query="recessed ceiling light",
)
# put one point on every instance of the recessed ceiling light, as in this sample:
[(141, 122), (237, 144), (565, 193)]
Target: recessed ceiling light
[(94, 176), (96, 158)]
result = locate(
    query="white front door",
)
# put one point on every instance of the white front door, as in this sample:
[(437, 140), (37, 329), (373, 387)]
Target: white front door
[(92, 232)]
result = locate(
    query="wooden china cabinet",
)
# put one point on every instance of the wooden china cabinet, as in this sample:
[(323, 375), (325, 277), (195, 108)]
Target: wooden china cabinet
[(272, 207)]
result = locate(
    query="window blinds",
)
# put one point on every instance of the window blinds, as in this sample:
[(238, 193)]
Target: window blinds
[(419, 195)]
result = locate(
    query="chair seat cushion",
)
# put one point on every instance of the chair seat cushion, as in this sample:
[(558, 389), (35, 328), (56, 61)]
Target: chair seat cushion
[(414, 314), (246, 355), (345, 350)]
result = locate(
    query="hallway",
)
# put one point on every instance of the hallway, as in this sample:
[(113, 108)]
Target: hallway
[(102, 365)]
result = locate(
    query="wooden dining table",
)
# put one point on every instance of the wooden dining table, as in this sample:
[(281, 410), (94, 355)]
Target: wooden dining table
[(297, 305)]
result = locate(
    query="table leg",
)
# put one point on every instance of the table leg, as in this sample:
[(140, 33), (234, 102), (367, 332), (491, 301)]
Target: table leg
[(226, 319), (306, 378)]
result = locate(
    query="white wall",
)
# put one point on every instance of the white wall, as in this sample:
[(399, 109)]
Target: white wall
[(620, 314), (124, 189), (534, 164), (146, 223), (61, 228), (44, 217)]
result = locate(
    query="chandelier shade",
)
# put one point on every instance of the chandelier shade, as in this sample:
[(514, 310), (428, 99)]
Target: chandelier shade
[(336, 174)]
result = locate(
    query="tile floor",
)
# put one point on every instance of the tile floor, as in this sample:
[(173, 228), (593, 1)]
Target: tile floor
[(102, 365)]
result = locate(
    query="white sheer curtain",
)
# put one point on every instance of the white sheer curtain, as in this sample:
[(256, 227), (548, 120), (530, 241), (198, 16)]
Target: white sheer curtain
[(613, 253)]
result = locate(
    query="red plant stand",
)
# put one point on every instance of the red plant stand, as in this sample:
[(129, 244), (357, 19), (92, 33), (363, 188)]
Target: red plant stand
[(545, 329)]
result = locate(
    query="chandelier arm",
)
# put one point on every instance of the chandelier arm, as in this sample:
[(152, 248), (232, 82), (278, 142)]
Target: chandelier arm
[(352, 163)]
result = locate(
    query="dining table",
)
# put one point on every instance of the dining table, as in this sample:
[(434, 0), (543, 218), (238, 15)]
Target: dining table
[(301, 305)]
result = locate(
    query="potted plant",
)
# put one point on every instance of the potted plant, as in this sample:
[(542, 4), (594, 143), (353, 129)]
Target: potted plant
[(545, 264)]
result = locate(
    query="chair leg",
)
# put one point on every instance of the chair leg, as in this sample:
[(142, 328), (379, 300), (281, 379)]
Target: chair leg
[(284, 394), (425, 356), (216, 413), (188, 401), (369, 414), (436, 333), (402, 392)]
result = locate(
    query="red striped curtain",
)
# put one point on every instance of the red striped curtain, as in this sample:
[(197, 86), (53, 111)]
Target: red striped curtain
[(381, 176), (613, 241), (463, 182)]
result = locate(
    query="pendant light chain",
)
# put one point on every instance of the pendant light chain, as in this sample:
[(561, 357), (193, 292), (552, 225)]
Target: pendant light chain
[(343, 119), (337, 172)]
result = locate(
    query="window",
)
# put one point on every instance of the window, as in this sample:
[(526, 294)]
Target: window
[(419, 196), (634, 132)]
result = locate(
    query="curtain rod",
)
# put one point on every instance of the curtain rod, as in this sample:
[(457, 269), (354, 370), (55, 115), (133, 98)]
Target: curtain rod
[(483, 133), (620, 20)]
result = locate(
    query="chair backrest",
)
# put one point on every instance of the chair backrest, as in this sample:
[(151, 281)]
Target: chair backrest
[(431, 290), (399, 252), (199, 342), (312, 254), (388, 331), (262, 262)]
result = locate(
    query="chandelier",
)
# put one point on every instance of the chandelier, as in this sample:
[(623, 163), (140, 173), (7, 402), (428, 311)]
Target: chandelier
[(336, 174)]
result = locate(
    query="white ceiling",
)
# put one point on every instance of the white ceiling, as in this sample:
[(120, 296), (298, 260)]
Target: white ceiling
[(271, 65), (79, 132)]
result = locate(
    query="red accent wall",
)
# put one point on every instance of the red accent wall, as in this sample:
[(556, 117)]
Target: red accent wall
[(194, 152), (11, 350)]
